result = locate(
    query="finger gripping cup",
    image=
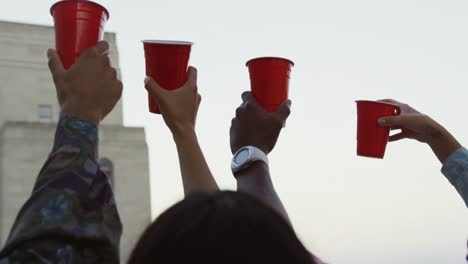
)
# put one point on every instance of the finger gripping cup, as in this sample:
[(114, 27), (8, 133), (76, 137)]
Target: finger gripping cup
[(269, 81), (79, 25), (372, 139), (167, 63)]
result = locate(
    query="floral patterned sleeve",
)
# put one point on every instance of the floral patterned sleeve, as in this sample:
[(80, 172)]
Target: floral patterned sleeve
[(456, 170), (71, 216)]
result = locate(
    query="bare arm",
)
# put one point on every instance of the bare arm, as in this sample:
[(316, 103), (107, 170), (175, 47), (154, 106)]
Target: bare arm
[(443, 144), (256, 181), (196, 175), (179, 109), (253, 126), (446, 148)]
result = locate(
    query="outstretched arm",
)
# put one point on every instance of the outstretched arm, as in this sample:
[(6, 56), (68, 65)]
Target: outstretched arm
[(71, 216), (447, 149), (253, 126), (179, 109)]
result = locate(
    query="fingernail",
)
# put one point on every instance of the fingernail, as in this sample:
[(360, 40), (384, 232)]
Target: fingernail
[(382, 121), (147, 79)]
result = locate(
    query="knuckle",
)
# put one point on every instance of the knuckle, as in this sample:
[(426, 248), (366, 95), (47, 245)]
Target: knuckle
[(105, 44), (239, 111), (119, 88), (106, 60), (113, 73), (233, 124), (91, 52), (51, 64)]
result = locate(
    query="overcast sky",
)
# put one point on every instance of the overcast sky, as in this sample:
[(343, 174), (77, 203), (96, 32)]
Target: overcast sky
[(345, 208)]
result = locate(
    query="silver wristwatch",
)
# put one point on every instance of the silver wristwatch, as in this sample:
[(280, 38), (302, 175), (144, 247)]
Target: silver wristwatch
[(245, 156)]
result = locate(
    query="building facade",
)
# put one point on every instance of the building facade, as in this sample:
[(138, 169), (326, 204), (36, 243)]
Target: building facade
[(28, 116)]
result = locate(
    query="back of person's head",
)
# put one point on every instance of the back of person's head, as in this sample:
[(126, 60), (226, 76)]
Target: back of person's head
[(223, 227)]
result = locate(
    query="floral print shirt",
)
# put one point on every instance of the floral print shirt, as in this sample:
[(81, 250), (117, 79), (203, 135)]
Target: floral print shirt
[(71, 216), (456, 170)]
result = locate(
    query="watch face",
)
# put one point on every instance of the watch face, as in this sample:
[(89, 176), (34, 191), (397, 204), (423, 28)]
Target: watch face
[(242, 156)]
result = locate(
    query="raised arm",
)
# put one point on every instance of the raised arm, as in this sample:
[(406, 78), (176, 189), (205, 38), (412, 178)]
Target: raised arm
[(255, 127), (447, 149), (179, 109), (71, 216)]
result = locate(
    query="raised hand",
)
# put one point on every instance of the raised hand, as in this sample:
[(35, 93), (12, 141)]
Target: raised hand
[(256, 127), (178, 107), (415, 125), (90, 89)]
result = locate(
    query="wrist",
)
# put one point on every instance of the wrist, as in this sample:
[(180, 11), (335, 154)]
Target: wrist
[(89, 117), (435, 132), (442, 143), (183, 134), (256, 168)]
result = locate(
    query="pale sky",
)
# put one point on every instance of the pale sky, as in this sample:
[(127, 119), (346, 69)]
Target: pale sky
[(346, 209)]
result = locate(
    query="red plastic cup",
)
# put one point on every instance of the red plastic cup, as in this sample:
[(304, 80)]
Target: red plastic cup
[(79, 25), (269, 81), (167, 63), (371, 137)]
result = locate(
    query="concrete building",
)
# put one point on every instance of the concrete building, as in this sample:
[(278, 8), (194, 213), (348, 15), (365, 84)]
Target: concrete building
[(28, 115)]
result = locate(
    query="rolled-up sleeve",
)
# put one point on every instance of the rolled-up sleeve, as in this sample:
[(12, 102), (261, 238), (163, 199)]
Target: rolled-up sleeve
[(455, 168), (71, 216)]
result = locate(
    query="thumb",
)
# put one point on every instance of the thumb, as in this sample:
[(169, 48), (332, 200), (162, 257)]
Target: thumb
[(284, 110), (55, 64), (154, 89)]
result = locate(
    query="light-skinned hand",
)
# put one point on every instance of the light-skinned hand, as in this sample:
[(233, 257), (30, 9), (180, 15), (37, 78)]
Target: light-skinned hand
[(413, 124), (178, 107), (418, 126), (90, 89)]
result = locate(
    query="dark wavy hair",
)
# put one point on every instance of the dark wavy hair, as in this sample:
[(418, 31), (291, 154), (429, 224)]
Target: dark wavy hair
[(222, 228)]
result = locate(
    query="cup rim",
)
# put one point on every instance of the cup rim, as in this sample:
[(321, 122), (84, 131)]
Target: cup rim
[(269, 57), (168, 42), (375, 102), (80, 1)]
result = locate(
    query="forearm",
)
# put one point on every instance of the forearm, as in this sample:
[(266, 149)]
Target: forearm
[(256, 181), (196, 175), (70, 198), (442, 143)]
